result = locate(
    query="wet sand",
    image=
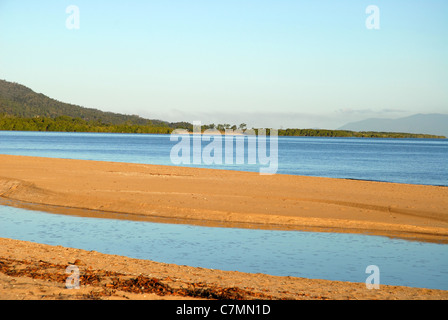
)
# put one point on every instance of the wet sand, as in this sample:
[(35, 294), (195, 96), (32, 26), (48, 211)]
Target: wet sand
[(34, 271), (228, 199)]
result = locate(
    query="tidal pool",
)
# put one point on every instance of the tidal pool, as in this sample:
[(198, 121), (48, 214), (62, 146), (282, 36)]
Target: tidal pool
[(319, 255)]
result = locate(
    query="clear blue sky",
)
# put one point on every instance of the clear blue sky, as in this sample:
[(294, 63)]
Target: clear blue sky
[(271, 63)]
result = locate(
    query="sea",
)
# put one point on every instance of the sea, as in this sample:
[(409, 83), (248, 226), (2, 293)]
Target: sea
[(344, 257), (413, 161)]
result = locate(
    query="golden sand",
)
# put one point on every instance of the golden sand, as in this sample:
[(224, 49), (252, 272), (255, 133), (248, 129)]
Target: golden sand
[(215, 198)]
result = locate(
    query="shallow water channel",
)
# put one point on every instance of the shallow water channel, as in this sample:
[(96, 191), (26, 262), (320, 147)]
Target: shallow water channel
[(319, 255)]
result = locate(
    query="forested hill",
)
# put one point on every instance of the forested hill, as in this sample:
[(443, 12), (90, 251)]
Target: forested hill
[(21, 102), (22, 109)]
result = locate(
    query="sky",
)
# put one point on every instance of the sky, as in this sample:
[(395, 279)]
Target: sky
[(266, 63)]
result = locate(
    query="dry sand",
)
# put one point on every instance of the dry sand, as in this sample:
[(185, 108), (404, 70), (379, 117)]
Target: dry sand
[(212, 198)]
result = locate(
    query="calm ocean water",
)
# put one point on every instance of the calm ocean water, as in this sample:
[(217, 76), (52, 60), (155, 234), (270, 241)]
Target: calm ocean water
[(414, 161), (303, 254)]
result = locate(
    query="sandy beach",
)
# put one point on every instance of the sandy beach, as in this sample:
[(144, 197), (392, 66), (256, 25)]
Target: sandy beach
[(32, 271), (211, 198)]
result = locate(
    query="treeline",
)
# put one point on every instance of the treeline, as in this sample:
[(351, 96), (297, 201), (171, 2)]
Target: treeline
[(354, 134), (324, 132), (69, 124)]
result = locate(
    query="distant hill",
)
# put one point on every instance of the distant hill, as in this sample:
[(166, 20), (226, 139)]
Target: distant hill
[(436, 124), (20, 101), (23, 109)]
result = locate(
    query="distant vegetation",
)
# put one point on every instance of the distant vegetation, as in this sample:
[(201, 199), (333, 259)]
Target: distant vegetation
[(22, 109), (69, 124), (355, 134)]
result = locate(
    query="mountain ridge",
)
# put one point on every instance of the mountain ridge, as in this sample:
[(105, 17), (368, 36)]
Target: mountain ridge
[(420, 123)]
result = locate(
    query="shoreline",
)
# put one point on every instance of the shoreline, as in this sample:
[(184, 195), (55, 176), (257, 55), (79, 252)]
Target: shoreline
[(422, 235), (361, 134), (33, 271)]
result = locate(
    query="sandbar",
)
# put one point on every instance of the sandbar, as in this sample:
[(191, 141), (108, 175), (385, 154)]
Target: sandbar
[(208, 197), (224, 198)]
